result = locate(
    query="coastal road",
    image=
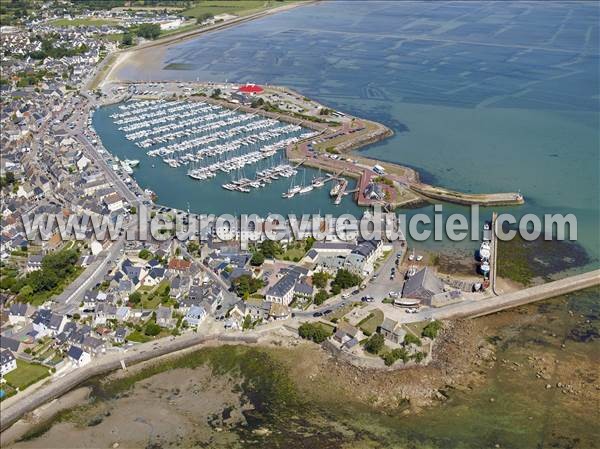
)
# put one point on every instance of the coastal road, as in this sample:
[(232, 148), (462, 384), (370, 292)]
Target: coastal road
[(474, 308)]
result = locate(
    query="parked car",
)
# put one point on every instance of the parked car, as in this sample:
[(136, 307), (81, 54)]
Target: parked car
[(367, 299), (346, 295), (317, 314)]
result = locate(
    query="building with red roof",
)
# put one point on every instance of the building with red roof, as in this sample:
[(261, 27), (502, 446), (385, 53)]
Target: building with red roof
[(251, 89)]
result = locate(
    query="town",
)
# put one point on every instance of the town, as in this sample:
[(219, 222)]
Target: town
[(68, 304)]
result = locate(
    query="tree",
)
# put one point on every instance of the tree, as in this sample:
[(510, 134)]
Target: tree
[(321, 297), (270, 248), (145, 254), (432, 329), (149, 30), (135, 297), (152, 329), (245, 285), (247, 324), (127, 40), (320, 279), (216, 93), (308, 244), (312, 331), (412, 339), (346, 279), (257, 259), (374, 344), (204, 17), (193, 247)]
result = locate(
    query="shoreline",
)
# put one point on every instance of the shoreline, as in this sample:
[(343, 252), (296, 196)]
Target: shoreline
[(128, 53)]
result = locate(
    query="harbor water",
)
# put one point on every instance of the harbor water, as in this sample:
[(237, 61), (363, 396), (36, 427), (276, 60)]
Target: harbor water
[(483, 97)]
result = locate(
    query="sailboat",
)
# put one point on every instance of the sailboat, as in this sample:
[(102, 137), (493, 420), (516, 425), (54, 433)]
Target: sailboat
[(305, 188), (318, 181), (292, 190)]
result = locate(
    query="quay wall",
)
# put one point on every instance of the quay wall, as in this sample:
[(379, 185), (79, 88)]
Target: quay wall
[(522, 297)]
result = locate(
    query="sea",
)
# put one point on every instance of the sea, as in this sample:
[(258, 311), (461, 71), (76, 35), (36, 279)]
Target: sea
[(482, 97)]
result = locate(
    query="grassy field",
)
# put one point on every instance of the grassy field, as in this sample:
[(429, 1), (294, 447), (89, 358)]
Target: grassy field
[(370, 324), (26, 374), (82, 22), (235, 7)]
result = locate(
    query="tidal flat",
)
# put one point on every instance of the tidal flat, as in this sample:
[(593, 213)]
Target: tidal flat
[(525, 378)]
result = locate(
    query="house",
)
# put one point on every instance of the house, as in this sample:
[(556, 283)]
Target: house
[(179, 266), (120, 335), (8, 362), (179, 285), (48, 323), (17, 314), (103, 313), (9, 343), (113, 202), (195, 316), (345, 333), (78, 356), (256, 309), (423, 285), (34, 263), (164, 317), (361, 259), (303, 291), (279, 311), (154, 277), (92, 345), (392, 331), (282, 291)]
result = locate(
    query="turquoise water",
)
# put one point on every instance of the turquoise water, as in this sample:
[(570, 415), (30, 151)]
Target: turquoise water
[(483, 96)]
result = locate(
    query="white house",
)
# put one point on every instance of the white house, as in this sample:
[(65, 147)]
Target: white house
[(195, 316), (282, 292), (78, 356), (8, 362)]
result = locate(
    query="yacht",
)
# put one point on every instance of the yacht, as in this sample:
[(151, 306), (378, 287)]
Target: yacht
[(335, 189)]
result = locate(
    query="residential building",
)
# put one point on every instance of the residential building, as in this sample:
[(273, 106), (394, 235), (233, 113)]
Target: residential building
[(8, 362)]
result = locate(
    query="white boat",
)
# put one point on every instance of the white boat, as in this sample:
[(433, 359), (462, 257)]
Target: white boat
[(419, 258), (412, 255), (485, 251), (126, 168), (335, 189), (132, 162), (306, 189), (485, 268)]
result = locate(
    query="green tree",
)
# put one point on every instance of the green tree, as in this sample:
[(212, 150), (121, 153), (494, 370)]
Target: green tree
[(149, 30), (432, 329), (245, 285), (257, 259), (346, 279), (412, 339), (313, 331), (270, 248), (145, 254), (152, 329), (374, 344), (127, 40), (321, 297), (135, 297), (320, 279), (204, 17)]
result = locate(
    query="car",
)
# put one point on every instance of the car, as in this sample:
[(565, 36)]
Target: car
[(317, 314), (367, 298), (356, 292), (327, 312), (346, 296)]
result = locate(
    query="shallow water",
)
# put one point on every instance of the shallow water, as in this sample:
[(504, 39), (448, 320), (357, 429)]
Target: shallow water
[(482, 96)]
